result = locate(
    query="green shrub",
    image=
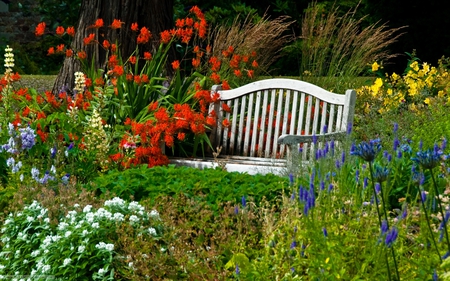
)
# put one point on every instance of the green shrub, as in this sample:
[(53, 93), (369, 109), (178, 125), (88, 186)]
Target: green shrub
[(211, 185), (83, 244)]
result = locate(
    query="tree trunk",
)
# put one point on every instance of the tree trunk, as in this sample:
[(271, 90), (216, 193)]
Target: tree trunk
[(156, 15)]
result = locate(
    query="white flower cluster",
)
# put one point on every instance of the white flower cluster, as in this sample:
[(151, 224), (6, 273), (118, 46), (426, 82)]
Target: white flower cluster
[(80, 82), (105, 246), (80, 225), (9, 59)]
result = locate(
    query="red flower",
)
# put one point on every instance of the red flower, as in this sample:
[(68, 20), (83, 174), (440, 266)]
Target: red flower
[(237, 72), (195, 62), (215, 77), (106, 44), (144, 36), (134, 26), (60, 48), (59, 30), (225, 85), (176, 65), (71, 31), (26, 111), (116, 24), (116, 157), (82, 55), (250, 73), (98, 23), (225, 107), (40, 29), (113, 61), (181, 136), (69, 53), (147, 56), (118, 70), (99, 81), (132, 60), (51, 51), (255, 64), (165, 37), (88, 40)]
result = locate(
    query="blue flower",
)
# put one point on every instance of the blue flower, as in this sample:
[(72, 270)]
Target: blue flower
[(244, 202), (65, 178), (293, 244), (236, 210), (429, 158), (325, 232), (384, 227), (391, 236), (435, 276), (367, 150), (53, 151), (291, 178), (380, 174), (27, 136), (238, 271), (423, 196)]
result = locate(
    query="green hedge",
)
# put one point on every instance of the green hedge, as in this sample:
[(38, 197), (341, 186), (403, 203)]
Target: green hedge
[(213, 185)]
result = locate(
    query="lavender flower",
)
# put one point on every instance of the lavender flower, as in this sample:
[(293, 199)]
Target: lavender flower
[(65, 178), (291, 178), (325, 232), (27, 136), (384, 227), (35, 174), (244, 202), (391, 236), (53, 151), (293, 244)]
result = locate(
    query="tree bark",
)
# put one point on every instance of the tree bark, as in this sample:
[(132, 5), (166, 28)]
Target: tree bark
[(156, 15)]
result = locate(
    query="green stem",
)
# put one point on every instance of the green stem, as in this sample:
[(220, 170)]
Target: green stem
[(429, 227), (387, 222), (378, 213), (440, 209)]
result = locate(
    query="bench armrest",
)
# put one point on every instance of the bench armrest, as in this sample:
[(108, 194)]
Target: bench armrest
[(296, 139)]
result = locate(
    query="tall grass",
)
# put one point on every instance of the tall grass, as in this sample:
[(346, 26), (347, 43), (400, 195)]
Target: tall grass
[(264, 36), (338, 46)]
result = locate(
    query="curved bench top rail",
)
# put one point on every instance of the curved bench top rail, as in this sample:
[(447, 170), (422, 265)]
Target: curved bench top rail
[(286, 84)]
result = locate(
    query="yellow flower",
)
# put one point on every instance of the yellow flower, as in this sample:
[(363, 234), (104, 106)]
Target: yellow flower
[(427, 101), (375, 66), (441, 93), (395, 76)]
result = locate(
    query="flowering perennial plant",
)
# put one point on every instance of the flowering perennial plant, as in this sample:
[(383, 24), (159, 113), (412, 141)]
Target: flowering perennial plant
[(81, 244), (421, 85)]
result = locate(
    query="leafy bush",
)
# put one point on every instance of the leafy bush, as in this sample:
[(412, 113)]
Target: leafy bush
[(82, 244), (211, 185)]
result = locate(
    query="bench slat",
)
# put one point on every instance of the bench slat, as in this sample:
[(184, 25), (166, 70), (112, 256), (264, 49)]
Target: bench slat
[(269, 153), (276, 133), (262, 132), (241, 125), (287, 104), (248, 124), (254, 136), (234, 127)]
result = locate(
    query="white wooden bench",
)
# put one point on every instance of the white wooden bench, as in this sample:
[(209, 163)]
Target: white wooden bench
[(269, 120)]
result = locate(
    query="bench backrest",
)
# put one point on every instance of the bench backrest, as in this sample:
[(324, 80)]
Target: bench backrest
[(259, 112)]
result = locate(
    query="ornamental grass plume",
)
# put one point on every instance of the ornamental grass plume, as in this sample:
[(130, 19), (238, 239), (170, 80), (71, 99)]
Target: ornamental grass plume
[(265, 37)]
